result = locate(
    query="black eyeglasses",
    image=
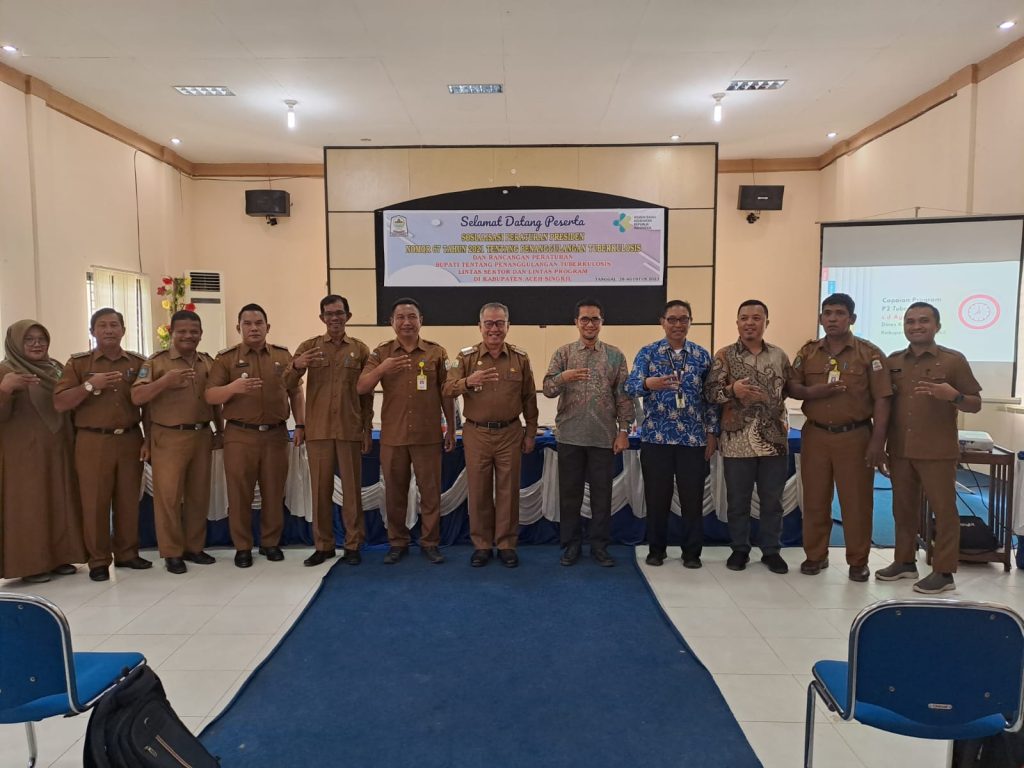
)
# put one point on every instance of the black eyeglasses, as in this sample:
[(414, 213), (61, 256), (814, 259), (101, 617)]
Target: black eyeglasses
[(680, 320), (589, 320), (489, 324)]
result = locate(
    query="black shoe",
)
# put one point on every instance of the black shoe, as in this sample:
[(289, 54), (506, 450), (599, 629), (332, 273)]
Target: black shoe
[(174, 565), (100, 574), (775, 563), (480, 558), (395, 554), (859, 573), (273, 554), (508, 558), (601, 557), (243, 558), (571, 554), (318, 557), (65, 569), (136, 564), (655, 558), (352, 557), (692, 561), (199, 558), (433, 554), (737, 561)]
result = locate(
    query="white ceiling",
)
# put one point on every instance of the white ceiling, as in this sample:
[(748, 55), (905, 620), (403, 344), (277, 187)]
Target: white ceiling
[(574, 71)]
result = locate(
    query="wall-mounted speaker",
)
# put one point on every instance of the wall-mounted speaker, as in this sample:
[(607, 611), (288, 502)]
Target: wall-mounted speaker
[(267, 202), (761, 197)]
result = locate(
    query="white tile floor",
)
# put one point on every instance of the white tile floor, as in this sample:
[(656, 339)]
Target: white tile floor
[(758, 634)]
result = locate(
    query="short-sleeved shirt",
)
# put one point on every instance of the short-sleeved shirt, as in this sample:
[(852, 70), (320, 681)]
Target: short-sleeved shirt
[(920, 426), (590, 413), (267, 405), (108, 408), (408, 415), (862, 368), (512, 394), (177, 405), (761, 428), (334, 410)]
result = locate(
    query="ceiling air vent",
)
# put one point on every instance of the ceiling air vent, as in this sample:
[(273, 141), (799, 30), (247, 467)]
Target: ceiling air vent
[(756, 85)]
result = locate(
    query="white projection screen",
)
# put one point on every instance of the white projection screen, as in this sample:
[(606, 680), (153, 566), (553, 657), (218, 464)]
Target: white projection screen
[(970, 268)]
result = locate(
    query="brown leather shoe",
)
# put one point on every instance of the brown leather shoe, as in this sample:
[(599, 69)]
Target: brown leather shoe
[(859, 573), (813, 567)]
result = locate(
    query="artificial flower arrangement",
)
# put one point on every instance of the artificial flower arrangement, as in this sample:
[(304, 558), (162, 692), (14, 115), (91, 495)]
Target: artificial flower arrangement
[(173, 289)]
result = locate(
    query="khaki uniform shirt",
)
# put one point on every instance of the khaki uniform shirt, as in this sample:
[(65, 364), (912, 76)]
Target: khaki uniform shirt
[(109, 408), (512, 394), (862, 368), (177, 405), (922, 427), (408, 415), (334, 410), (267, 405)]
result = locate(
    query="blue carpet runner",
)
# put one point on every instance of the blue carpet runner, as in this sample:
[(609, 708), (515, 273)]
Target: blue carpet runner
[(429, 666)]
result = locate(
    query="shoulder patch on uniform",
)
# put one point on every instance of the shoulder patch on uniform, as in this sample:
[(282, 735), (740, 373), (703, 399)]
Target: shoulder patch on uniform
[(467, 350), (143, 371), (226, 350), (518, 350), (449, 364), (78, 355), (876, 364)]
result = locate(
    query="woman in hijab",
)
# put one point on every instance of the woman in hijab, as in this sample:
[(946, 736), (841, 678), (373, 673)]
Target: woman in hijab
[(40, 517)]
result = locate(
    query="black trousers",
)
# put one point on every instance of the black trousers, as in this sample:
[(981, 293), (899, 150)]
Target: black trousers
[(684, 467), (578, 464)]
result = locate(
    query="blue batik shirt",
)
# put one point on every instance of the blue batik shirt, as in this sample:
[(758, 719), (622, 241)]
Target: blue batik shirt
[(664, 422)]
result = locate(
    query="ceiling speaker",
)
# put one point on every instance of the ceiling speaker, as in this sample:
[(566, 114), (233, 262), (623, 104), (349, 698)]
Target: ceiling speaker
[(267, 202)]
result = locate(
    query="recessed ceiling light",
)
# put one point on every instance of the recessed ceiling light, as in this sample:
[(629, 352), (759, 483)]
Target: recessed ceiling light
[(1008, 24), (290, 103), (756, 85), (716, 113), (476, 88), (831, 134), (674, 137), (204, 90), (9, 48), (175, 140)]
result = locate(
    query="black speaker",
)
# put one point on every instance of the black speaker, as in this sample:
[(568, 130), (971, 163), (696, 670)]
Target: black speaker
[(761, 197), (267, 202)]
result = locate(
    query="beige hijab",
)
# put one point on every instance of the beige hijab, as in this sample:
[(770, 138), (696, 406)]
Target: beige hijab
[(48, 371)]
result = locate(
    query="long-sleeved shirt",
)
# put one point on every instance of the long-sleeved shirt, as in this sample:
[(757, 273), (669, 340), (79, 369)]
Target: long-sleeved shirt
[(665, 423), (590, 412)]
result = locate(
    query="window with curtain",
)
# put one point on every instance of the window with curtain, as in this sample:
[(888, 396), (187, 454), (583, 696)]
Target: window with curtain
[(128, 293)]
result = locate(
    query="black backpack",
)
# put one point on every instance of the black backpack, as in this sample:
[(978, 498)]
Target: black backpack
[(133, 726)]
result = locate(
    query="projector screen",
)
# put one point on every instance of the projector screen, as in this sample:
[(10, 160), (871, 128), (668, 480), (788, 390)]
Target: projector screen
[(968, 268)]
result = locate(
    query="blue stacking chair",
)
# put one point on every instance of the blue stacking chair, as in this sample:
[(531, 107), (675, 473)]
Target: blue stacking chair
[(40, 676), (930, 668)]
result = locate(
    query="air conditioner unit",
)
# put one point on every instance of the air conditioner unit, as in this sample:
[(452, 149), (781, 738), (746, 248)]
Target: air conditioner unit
[(207, 293)]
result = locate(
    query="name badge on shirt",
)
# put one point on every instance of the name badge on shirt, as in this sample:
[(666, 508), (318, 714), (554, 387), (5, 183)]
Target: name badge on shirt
[(421, 379), (833, 374), (680, 400)]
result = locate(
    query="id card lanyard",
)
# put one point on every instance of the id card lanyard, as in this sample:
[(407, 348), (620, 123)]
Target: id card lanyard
[(678, 372), (833, 373), (421, 379)]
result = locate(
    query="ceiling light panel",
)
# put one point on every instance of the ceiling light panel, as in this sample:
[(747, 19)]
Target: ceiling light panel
[(756, 85), (204, 90), (476, 88)]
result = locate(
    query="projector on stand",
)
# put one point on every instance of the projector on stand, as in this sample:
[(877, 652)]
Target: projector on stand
[(971, 440)]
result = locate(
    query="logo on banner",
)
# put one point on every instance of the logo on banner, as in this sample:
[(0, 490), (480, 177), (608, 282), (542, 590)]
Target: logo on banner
[(979, 311), (624, 222), (398, 226)]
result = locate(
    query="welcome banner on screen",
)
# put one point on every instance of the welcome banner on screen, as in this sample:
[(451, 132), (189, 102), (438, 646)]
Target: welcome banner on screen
[(482, 248)]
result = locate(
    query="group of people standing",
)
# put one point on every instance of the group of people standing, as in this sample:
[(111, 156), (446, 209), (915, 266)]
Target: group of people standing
[(73, 438)]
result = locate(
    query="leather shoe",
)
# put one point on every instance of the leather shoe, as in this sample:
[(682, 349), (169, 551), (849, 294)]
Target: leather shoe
[(273, 554), (395, 554), (601, 557), (813, 567), (655, 558), (692, 562), (318, 557), (100, 574), (352, 557), (480, 558), (174, 565), (775, 563), (243, 558), (433, 554), (136, 564), (571, 553), (199, 558), (509, 558), (65, 569), (859, 573), (737, 561), (36, 578)]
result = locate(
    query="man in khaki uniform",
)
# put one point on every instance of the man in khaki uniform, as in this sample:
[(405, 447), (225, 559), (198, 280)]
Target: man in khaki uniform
[(496, 384), (932, 385), (109, 447), (249, 381), (171, 387), (339, 427), (844, 383), (411, 371)]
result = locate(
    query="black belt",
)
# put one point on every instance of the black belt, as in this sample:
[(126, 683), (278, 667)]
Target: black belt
[(185, 427), (842, 427), (104, 431), (491, 424), (257, 427)]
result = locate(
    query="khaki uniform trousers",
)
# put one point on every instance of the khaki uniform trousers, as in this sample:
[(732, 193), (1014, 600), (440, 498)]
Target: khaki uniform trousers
[(493, 460), (250, 455), (109, 471), (937, 477), (828, 459), (181, 488), (324, 456), (395, 463)]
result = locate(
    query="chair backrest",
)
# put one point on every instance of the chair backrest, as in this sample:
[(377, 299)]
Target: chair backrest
[(35, 650), (939, 662)]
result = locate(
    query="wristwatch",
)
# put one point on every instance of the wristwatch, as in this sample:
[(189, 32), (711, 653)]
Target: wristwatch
[(88, 387), (959, 398)]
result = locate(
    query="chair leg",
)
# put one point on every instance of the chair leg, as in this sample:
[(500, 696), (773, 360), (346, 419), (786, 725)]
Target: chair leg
[(809, 727), (33, 750)]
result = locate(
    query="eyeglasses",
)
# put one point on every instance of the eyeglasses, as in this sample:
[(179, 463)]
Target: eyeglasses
[(681, 320), (589, 320), (36, 341), (498, 324)]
